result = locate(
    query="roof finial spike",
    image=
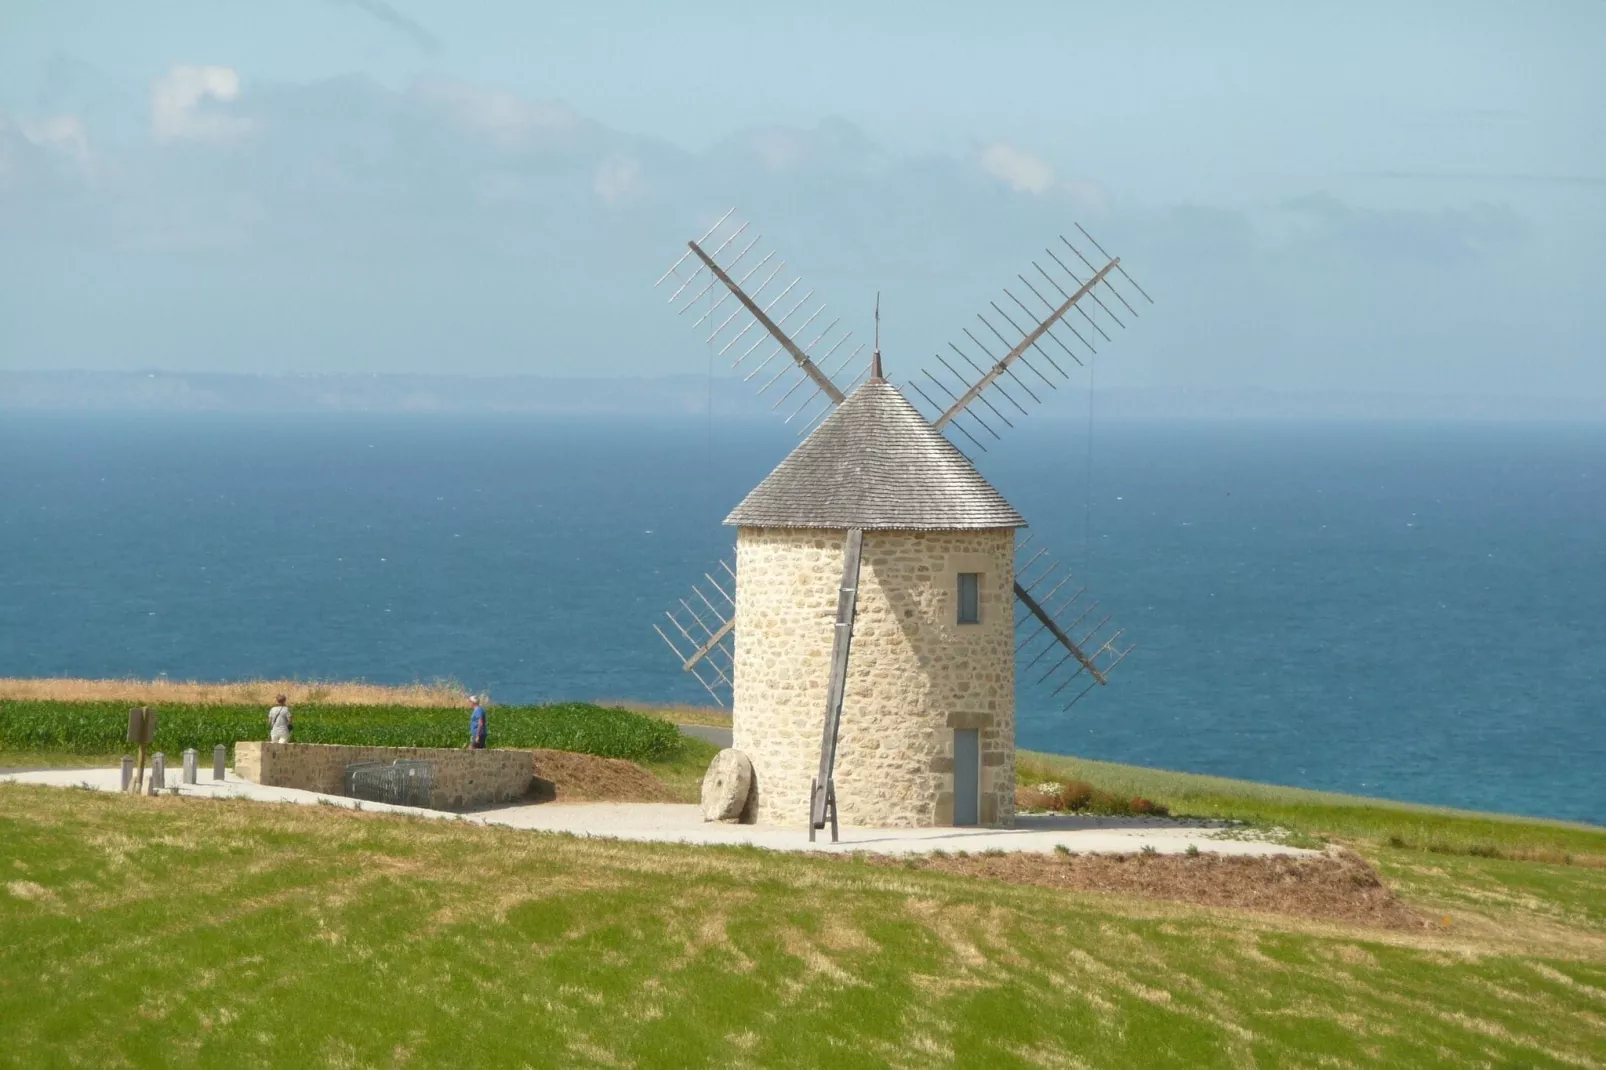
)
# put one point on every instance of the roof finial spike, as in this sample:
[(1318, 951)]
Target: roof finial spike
[(875, 356)]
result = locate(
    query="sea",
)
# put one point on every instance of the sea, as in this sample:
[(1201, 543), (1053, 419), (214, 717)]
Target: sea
[(1409, 610)]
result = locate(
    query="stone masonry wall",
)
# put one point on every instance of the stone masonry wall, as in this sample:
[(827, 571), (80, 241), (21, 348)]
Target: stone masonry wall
[(460, 778), (914, 673)]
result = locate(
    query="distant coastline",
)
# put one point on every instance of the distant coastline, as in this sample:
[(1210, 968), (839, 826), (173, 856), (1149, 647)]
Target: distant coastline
[(695, 395)]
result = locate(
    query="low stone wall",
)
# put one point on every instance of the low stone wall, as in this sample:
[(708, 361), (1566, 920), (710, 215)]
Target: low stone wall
[(460, 778)]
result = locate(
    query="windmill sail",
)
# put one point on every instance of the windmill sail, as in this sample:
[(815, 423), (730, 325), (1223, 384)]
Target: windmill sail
[(1001, 360), (701, 631), (1066, 645), (738, 292)]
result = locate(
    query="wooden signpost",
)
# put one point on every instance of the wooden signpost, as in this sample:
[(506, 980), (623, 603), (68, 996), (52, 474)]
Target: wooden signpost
[(141, 730)]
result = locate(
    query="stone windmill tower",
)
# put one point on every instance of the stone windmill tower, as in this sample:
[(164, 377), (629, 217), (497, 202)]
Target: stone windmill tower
[(867, 636)]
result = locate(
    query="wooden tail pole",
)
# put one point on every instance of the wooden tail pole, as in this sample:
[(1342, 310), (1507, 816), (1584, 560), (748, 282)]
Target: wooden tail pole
[(822, 793)]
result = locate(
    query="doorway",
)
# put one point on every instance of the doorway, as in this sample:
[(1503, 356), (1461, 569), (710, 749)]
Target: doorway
[(967, 776)]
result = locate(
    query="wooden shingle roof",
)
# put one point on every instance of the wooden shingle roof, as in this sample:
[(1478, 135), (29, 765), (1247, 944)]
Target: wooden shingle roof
[(877, 464)]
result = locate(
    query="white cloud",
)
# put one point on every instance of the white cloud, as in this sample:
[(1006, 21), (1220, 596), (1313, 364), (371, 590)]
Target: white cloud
[(507, 119), (64, 133), (618, 179), (179, 101), (1021, 171)]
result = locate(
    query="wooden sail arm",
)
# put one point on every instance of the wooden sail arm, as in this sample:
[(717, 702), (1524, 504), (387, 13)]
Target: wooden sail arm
[(1025, 343), (1048, 622), (713, 641), (799, 357)]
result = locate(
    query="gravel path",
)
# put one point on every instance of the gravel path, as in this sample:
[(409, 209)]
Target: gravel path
[(719, 737), (682, 823)]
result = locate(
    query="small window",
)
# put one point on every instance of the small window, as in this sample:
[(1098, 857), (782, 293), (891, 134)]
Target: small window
[(970, 598)]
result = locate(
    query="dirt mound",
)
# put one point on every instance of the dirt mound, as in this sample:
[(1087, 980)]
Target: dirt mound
[(564, 776), (1338, 885)]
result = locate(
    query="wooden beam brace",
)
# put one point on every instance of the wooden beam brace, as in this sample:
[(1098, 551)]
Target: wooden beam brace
[(1022, 346), (798, 356), (846, 603)]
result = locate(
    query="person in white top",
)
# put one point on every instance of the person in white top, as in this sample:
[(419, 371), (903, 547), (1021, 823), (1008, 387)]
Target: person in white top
[(279, 722)]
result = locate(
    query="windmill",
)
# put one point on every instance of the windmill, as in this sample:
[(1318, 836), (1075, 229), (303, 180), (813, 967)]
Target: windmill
[(932, 583)]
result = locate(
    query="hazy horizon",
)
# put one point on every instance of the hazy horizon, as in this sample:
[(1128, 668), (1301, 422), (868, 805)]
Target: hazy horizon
[(696, 396)]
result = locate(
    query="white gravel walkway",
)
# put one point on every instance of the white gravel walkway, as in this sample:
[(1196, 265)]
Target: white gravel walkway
[(681, 823)]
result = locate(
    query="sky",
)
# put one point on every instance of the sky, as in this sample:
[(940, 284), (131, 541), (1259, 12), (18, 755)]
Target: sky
[(1320, 197)]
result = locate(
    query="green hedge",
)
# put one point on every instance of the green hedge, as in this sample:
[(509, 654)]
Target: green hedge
[(101, 728)]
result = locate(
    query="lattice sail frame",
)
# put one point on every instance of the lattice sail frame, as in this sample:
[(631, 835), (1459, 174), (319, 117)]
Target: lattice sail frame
[(702, 633), (738, 283), (1071, 657), (1055, 292)]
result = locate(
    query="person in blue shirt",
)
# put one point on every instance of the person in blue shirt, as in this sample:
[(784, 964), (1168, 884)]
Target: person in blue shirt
[(477, 728)]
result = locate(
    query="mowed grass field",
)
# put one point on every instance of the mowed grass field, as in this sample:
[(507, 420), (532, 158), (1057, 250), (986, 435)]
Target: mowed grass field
[(192, 932), (189, 932)]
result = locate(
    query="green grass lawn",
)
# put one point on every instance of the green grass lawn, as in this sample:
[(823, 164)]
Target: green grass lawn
[(53, 759), (1351, 818), (683, 774), (192, 932)]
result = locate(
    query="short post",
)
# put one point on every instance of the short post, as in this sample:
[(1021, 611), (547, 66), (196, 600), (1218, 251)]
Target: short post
[(158, 771), (128, 770), (190, 762), (220, 754)]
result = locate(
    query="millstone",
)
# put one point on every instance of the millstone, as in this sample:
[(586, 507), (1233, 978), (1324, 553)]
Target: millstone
[(726, 786)]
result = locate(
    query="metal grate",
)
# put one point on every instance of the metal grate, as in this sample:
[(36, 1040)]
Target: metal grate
[(401, 783)]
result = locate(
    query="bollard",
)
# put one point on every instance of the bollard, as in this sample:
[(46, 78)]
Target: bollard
[(128, 770), (158, 772), (190, 762), (220, 754)]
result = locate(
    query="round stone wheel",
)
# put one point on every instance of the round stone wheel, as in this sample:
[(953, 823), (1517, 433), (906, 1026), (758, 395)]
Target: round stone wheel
[(726, 786)]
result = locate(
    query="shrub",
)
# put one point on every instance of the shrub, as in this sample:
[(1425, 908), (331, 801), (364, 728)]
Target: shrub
[(1076, 795), (1140, 805), (1102, 802), (1079, 797), (100, 727), (1035, 799)]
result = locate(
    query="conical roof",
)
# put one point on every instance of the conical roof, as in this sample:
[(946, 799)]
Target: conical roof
[(877, 464)]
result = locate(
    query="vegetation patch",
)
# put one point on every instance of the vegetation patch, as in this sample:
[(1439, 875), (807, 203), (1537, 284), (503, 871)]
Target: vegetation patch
[(563, 776), (1338, 885), (1079, 797), (191, 932), (233, 692), (1312, 816), (93, 728)]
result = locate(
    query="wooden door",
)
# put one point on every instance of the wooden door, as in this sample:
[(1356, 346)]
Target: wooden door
[(967, 776)]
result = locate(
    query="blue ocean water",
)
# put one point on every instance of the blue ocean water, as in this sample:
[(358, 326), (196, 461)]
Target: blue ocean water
[(1415, 611)]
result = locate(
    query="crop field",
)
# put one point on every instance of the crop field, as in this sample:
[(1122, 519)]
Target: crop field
[(189, 932), (99, 728), (232, 692)]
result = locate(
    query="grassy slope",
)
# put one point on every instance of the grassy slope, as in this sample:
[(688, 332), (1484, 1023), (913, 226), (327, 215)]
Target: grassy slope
[(193, 932), (1352, 818), (683, 774)]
